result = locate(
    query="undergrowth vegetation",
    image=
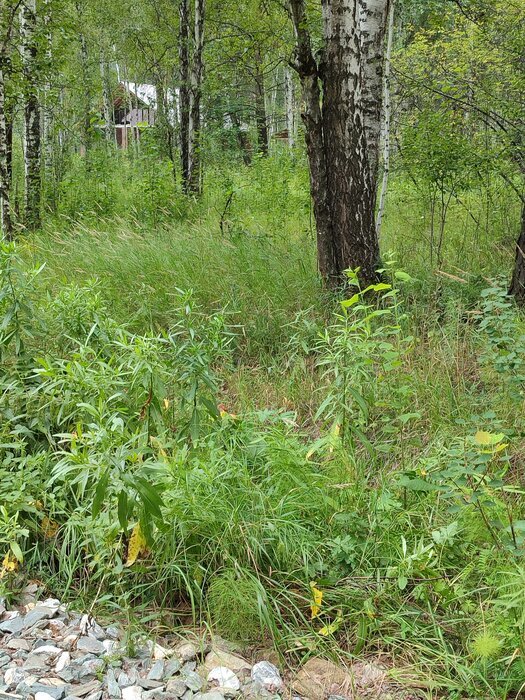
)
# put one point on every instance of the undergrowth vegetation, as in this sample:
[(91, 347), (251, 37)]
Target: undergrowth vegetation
[(194, 432)]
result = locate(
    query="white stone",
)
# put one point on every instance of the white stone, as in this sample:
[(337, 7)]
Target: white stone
[(43, 696), (224, 678), (109, 645), (132, 692), (159, 652), (268, 676), (47, 649), (63, 660)]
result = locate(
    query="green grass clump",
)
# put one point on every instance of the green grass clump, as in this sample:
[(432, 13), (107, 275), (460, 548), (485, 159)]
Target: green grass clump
[(234, 601)]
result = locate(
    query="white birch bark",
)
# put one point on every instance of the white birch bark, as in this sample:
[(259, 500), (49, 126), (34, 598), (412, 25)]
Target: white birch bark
[(372, 24), (194, 122), (106, 100), (289, 99), (32, 138), (385, 121), (47, 98), (5, 185)]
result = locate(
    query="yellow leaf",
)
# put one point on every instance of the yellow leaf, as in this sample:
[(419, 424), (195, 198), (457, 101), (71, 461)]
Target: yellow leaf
[(166, 404), (484, 439), (331, 628), (9, 564), (317, 600), (136, 545), (49, 527)]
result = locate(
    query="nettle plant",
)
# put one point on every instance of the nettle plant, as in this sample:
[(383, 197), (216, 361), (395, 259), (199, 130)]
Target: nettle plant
[(504, 336), (356, 355), (471, 477)]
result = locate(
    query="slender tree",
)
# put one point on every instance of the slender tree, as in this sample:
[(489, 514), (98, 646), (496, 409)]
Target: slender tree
[(342, 106), (194, 136), (6, 26), (191, 47), (32, 136)]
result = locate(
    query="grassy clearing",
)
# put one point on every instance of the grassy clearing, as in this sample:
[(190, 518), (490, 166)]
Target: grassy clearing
[(198, 385)]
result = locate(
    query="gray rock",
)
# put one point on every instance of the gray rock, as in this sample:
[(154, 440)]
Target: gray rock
[(124, 680), (189, 666), (85, 689), (95, 696), (90, 645), (91, 668), (211, 695), (38, 613), (57, 692), (188, 695), (172, 667), (13, 626), (268, 676), (113, 687), (176, 688), (149, 684), (186, 651), (192, 680), (9, 696), (36, 662), (13, 676), (224, 679), (255, 691), (113, 632), (157, 671), (18, 643), (4, 660), (70, 673)]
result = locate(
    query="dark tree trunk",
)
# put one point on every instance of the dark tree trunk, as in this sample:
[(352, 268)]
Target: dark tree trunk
[(342, 131), (517, 285)]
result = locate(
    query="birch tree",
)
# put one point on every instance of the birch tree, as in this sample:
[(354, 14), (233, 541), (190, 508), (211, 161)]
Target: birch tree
[(342, 106), (191, 47), (8, 14), (29, 44)]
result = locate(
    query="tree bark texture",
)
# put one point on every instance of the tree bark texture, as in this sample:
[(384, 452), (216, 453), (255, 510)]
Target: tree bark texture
[(517, 285), (385, 121), (31, 116), (5, 170), (194, 136), (341, 112)]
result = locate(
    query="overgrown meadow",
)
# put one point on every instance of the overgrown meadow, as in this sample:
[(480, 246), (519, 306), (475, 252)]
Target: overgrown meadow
[(195, 433)]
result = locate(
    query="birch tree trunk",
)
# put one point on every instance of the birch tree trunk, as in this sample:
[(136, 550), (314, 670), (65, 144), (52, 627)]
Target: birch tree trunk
[(194, 135), (5, 178), (184, 89), (106, 100), (261, 119), (47, 103), (342, 130), (290, 106), (31, 116), (385, 121)]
